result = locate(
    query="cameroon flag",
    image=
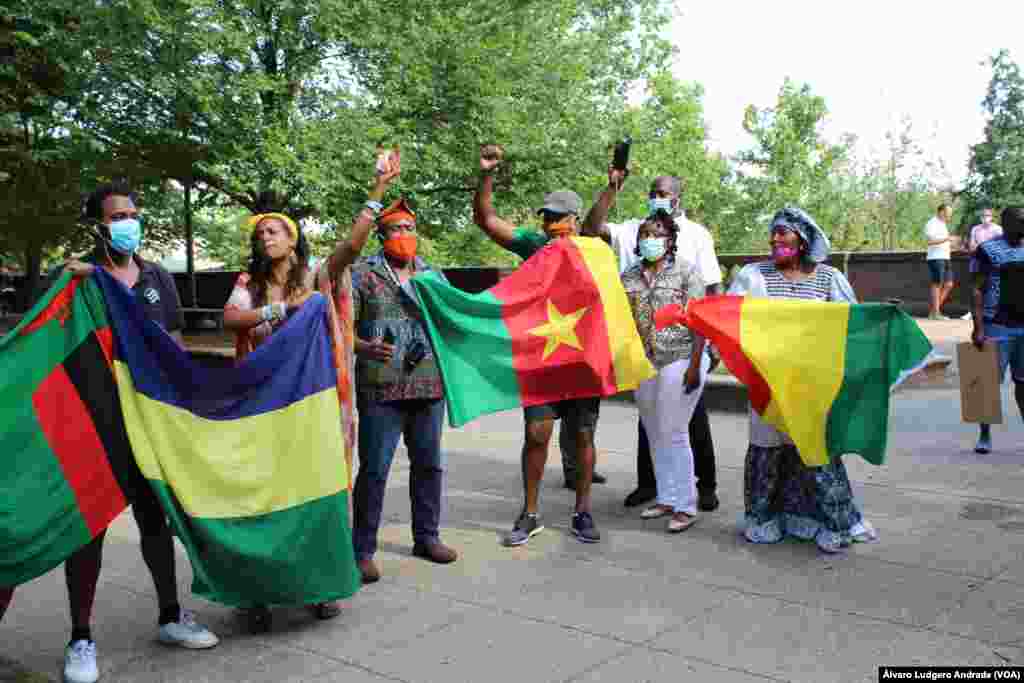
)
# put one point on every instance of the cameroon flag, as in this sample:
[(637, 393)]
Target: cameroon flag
[(248, 461), (63, 448), (821, 372), (558, 328)]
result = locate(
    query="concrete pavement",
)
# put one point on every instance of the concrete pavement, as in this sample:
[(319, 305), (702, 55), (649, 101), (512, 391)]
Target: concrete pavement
[(945, 584)]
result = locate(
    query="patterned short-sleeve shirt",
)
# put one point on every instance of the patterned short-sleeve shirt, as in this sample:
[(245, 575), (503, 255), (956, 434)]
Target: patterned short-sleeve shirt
[(676, 283)]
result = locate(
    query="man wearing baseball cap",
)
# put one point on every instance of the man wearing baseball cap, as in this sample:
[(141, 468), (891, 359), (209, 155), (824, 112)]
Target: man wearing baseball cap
[(560, 216)]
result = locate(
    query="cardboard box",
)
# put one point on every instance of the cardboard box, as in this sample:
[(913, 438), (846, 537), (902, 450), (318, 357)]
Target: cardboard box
[(981, 399)]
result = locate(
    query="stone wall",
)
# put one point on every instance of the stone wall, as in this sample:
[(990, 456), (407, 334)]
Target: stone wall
[(875, 276)]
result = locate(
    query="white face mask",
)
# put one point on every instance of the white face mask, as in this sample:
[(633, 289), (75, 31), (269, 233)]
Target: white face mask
[(653, 248), (660, 204)]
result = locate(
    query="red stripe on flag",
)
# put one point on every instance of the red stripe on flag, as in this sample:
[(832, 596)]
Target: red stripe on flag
[(557, 274), (58, 309), (718, 318), (73, 438), (105, 336)]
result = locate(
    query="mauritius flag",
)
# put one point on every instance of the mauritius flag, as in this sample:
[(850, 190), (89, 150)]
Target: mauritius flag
[(821, 372), (64, 453), (248, 461), (558, 328)]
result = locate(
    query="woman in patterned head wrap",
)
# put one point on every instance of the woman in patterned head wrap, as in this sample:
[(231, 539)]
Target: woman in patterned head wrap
[(280, 279), (782, 495)]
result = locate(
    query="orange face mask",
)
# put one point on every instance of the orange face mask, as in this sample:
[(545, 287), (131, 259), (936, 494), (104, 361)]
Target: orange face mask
[(401, 246), (560, 229)]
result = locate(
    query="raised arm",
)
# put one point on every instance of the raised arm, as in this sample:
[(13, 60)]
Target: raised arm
[(348, 250), (595, 224), (484, 215)]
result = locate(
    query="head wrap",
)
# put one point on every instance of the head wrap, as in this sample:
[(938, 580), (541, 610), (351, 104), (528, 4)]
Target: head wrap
[(293, 229), (800, 222), (398, 212)]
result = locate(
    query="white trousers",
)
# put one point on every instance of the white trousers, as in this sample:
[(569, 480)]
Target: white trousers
[(666, 411)]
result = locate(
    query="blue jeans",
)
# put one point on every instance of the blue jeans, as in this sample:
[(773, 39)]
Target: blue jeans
[(380, 425), (1010, 341)]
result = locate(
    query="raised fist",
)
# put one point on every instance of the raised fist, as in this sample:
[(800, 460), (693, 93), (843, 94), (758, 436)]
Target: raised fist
[(490, 157)]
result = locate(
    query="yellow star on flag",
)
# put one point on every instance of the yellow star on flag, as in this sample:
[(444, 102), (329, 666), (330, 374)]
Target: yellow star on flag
[(559, 329)]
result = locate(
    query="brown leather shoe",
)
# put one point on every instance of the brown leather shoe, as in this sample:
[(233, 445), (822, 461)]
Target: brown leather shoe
[(368, 568), (435, 552)]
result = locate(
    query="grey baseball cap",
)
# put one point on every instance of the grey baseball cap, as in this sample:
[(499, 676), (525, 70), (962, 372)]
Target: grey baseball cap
[(563, 201)]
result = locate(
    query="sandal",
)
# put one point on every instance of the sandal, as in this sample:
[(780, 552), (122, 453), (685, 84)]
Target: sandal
[(681, 521), (656, 511)]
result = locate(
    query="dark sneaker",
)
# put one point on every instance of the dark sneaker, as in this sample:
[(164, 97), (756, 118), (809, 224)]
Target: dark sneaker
[(526, 527), (707, 501), (984, 444), (583, 528)]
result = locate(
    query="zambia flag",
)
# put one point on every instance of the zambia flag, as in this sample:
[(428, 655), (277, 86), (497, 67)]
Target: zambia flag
[(247, 461), (818, 371), (558, 328), (64, 453)]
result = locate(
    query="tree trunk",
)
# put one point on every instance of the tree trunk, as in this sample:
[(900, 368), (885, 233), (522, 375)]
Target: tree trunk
[(29, 292), (190, 263)]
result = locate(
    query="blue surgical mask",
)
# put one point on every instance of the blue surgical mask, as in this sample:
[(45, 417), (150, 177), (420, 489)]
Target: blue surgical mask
[(125, 235), (652, 248), (657, 204)]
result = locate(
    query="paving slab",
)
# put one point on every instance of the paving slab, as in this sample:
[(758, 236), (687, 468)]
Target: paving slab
[(641, 665), (482, 645), (799, 643), (993, 612)]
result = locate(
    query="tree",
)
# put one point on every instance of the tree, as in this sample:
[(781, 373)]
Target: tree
[(42, 159), (996, 168), (790, 164)]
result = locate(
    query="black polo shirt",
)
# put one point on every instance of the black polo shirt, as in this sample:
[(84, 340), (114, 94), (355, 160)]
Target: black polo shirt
[(155, 292)]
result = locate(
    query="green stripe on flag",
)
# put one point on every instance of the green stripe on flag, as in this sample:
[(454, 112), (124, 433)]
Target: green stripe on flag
[(882, 342), (464, 329), (40, 522), (39, 517), (259, 553)]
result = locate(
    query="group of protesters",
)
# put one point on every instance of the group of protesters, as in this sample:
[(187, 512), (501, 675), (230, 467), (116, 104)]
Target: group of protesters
[(663, 258)]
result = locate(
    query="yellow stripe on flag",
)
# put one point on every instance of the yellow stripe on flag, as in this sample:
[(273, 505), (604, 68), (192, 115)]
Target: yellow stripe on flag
[(799, 347), (627, 349), (238, 468)]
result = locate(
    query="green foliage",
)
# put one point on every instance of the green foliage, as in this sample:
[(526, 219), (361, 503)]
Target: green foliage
[(790, 164), (997, 163)]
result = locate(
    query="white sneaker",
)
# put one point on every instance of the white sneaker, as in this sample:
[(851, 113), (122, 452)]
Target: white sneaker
[(80, 662), (187, 633)]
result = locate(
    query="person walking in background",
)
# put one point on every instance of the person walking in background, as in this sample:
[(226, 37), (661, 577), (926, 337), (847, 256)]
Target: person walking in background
[(999, 305), (940, 274), (979, 234)]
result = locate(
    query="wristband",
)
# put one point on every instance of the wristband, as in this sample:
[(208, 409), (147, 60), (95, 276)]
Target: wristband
[(374, 206), (273, 312)]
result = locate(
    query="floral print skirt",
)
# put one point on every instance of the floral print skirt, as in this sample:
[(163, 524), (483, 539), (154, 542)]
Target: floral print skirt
[(783, 496)]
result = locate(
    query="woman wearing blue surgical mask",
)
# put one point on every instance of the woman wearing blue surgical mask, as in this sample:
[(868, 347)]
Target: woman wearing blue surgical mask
[(666, 402)]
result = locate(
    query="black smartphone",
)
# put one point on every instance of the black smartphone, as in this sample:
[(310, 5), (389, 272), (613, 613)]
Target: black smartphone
[(417, 352), (621, 159)]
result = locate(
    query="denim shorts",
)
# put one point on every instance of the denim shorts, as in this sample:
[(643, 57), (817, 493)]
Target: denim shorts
[(579, 413), (940, 270), (1011, 349)]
